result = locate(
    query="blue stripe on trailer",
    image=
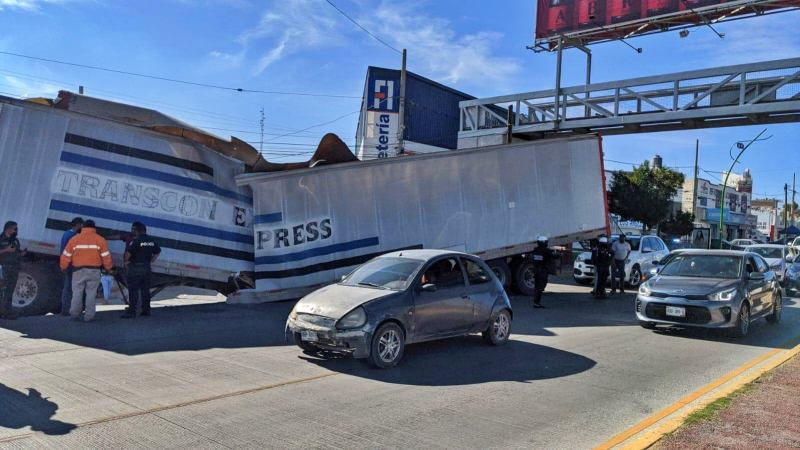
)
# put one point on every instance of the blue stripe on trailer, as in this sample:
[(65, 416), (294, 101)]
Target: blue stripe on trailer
[(109, 214), (269, 218), (151, 174), (319, 251)]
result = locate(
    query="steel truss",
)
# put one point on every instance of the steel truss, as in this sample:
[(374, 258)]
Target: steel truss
[(746, 94)]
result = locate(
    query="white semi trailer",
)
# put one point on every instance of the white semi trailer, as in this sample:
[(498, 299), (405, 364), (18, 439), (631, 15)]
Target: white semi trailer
[(115, 164), (313, 225)]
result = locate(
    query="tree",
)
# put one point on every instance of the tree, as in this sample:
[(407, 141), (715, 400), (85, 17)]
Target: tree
[(680, 224), (644, 194)]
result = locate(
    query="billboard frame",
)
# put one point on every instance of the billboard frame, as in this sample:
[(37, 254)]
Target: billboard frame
[(674, 21)]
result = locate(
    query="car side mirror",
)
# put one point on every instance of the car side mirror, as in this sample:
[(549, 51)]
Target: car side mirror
[(429, 287), (755, 276)]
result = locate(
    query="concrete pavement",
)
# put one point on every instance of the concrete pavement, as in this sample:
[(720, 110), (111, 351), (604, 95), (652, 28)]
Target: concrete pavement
[(206, 374)]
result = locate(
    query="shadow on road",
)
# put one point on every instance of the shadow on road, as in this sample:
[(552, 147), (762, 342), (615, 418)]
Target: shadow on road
[(170, 328), (463, 361), (32, 410)]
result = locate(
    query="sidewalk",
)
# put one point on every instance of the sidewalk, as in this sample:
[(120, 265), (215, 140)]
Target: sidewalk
[(764, 414)]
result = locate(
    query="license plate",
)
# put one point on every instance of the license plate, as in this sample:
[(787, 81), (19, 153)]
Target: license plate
[(308, 336), (676, 311)]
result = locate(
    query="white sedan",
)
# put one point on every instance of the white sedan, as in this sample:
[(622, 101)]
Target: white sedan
[(779, 257), (644, 251)]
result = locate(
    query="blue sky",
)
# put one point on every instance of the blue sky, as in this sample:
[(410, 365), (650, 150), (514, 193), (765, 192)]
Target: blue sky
[(306, 46)]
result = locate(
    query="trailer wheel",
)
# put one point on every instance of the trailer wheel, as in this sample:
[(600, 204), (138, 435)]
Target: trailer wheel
[(38, 289), (523, 277), (501, 270)]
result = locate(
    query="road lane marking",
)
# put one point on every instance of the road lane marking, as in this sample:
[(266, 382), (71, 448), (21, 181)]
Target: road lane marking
[(144, 412), (651, 437)]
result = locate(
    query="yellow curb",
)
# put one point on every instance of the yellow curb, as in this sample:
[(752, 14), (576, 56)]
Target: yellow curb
[(672, 417)]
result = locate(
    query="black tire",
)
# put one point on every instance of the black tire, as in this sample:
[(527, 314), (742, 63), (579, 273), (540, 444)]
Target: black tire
[(38, 289), (523, 278), (499, 329), (777, 310), (305, 346), (647, 325), (635, 279), (501, 271), (742, 327), (388, 344)]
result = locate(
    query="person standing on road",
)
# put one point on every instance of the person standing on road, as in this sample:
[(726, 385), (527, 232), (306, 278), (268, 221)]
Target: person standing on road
[(601, 257), (621, 250), (66, 290), (141, 253), (543, 257), (11, 260), (88, 253)]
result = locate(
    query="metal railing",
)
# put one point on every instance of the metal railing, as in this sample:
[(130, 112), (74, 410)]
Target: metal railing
[(765, 92)]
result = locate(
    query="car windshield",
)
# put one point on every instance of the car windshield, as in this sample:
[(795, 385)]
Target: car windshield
[(703, 266), (768, 252), (633, 240), (384, 273)]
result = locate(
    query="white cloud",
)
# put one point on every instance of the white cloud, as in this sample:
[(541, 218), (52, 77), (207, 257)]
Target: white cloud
[(290, 28), (25, 88), (750, 40), (442, 52), (27, 5)]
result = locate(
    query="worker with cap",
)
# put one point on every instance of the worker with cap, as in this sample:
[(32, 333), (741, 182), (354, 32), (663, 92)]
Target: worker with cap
[(543, 257), (140, 254), (601, 258)]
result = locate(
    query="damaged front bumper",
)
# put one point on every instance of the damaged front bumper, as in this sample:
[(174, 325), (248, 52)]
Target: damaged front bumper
[(326, 336)]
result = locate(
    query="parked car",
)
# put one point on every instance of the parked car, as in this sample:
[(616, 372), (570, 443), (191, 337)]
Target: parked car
[(711, 289), (403, 298), (777, 256), (792, 280), (644, 251), (744, 242)]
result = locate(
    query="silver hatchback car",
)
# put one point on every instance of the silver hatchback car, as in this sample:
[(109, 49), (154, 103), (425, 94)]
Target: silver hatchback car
[(402, 298), (710, 289)]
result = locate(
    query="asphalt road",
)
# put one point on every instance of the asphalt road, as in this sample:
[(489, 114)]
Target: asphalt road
[(200, 374)]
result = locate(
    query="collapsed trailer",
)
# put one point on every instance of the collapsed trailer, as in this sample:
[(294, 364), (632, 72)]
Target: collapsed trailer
[(313, 225), (115, 164)]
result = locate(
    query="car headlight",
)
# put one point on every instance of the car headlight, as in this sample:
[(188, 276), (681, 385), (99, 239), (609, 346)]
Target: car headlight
[(580, 258), (354, 319), (644, 289), (723, 296)]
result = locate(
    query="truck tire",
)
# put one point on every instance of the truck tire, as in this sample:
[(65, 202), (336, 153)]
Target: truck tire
[(38, 289), (523, 278), (501, 270)]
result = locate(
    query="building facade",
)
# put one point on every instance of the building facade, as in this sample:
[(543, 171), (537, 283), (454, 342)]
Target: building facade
[(768, 217), (739, 220)]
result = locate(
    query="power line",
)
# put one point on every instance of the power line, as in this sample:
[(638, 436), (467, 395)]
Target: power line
[(175, 80), (360, 26), (316, 125)]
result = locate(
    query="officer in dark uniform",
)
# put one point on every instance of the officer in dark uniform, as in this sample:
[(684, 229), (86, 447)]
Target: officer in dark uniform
[(141, 252), (543, 258), (10, 259), (601, 258)]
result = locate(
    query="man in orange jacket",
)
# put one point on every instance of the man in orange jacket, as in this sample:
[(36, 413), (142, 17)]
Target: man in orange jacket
[(88, 253)]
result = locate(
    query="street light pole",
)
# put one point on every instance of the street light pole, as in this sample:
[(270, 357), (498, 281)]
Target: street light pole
[(725, 187)]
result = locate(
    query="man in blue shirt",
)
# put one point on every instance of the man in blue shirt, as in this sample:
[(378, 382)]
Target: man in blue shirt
[(66, 291)]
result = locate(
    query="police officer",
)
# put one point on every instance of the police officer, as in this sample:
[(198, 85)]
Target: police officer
[(543, 257), (141, 252), (10, 259), (601, 258)]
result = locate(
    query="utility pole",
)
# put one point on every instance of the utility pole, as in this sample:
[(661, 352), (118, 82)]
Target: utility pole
[(793, 194), (785, 205), (401, 127), (696, 158), (261, 141)]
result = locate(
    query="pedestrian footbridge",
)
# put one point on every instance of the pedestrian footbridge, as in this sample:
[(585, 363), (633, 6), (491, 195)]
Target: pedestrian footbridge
[(746, 94)]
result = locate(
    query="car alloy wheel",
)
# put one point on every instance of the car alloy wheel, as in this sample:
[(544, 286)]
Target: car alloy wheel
[(743, 325), (388, 346), (500, 327), (636, 277), (26, 291)]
